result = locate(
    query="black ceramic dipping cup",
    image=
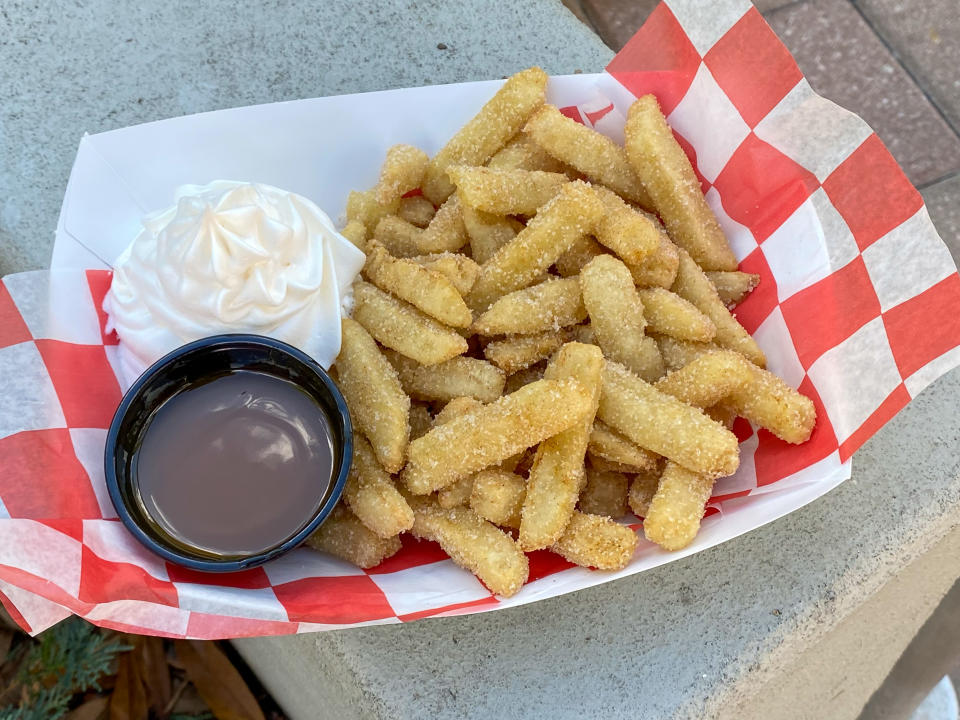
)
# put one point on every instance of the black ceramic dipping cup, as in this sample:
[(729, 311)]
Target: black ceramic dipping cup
[(192, 366)]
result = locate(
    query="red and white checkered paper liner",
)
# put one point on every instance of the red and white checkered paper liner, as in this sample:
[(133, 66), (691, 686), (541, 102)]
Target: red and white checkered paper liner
[(852, 273)]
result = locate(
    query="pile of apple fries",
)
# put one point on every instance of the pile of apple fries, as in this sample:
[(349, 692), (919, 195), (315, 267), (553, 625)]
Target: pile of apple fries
[(531, 352)]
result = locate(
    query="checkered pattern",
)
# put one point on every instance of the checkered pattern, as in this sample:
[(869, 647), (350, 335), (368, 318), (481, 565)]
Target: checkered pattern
[(852, 271)]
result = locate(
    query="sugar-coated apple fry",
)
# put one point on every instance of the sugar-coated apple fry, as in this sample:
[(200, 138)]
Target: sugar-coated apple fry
[(428, 291), (356, 232), (488, 131), (674, 515), (605, 493), (732, 287), (706, 376), (607, 443), (642, 489), (571, 214), (457, 377), (458, 269), (491, 434), (343, 535), (363, 206), (446, 231), (404, 328), (616, 316), (488, 233), (669, 314), (497, 496), (378, 405), (665, 425), (707, 379), (557, 475), (666, 173), (691, 284), (524, 377), (372, 496), (583, 251), (522, 153), (586, 150), (723, 414), (522, 351), (416, 210), (398, 236), (659, 268), (420, 420), (596, 541), (549, 305), (629, 233), (402, 171), (505, 192), (472, 543)]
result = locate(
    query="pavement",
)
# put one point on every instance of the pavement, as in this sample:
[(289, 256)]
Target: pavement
[(685, 640)]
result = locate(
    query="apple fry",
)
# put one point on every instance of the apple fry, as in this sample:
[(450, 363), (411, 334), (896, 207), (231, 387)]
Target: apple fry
[(420, 420), (629, 233), (457, 377), (666, 173), (505, 192), (516, 353), (472, 543), (550, 305), (458, 269), (356, 232), (403, 328), (674, 515), (372, 496), (659, 268), (732, 287), (343, 535), (616, 316), (607, 443), (446, 232), (583, 251), (488, 233), (669, 314), (378, 405), (428, 291), (665, 425), (497, 496), (596, 541), (557, 475), (402, 171), (586, 150), (488, 131), (363, 207), (522, 153), (691, 284), (398, 236), (493, 433), (416, 210)]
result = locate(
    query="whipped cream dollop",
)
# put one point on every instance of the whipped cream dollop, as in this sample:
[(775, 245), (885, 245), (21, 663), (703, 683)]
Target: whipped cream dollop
[(231, 257)]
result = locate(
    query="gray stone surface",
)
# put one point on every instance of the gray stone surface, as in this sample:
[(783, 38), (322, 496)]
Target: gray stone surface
[(67, 68), (679, 641), (943, 204), (845, 61), (924, 36)]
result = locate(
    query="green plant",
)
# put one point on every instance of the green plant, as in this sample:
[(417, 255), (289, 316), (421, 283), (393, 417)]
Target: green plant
[(67, 659)]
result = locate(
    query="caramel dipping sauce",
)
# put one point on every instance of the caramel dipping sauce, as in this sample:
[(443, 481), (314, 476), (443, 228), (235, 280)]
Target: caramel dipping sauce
[(228, 452), (233, 465)]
